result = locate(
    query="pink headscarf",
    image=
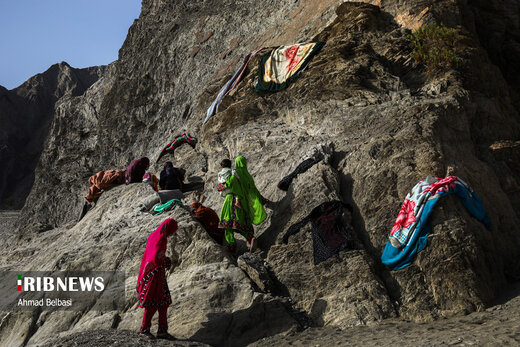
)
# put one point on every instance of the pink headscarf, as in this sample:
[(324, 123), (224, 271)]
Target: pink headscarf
[(155, 252)]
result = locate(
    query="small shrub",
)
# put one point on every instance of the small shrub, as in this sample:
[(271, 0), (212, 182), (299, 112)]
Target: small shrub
[(434, 46)]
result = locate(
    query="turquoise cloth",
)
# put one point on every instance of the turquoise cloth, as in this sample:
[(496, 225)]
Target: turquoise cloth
[(170, 205)]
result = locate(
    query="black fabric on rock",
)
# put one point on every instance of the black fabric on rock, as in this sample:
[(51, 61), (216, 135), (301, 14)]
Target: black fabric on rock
[(304, 166), (329, 234)]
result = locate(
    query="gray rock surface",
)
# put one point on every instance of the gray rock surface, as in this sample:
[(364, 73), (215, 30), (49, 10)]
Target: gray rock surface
[(25, 114), (210, 293), (128, 338), (380, 122), (256, 269)]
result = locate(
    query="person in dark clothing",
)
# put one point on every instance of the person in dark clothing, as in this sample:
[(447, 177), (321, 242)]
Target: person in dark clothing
[(136, 170), (171, 177)]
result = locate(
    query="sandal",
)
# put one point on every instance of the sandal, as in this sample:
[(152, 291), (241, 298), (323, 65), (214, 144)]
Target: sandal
[(147, 334)]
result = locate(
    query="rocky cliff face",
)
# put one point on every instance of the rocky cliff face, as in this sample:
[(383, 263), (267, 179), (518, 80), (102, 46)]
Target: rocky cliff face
[(380, 122), (26, 113)]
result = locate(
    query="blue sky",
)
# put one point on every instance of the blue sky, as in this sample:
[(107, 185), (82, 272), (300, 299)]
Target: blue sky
[(34, 34)]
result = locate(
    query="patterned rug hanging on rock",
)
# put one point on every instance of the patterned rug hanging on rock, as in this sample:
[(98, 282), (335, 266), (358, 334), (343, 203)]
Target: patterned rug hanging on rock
[(282, 65), (329, 233)]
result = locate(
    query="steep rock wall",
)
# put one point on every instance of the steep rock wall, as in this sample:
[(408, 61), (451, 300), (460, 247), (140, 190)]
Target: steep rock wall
[(378, 120), (26, 113)]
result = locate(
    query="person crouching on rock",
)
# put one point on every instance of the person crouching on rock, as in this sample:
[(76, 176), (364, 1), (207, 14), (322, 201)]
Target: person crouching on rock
[(152, 287), (209, 220), (171, 177), (136, 170)]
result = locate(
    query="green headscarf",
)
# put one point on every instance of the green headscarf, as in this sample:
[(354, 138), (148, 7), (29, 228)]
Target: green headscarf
[(251, 194)]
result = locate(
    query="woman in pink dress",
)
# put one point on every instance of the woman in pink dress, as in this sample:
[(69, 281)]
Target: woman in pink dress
[(154, 295)]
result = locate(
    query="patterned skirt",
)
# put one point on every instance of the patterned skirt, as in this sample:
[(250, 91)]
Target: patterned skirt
[(234, 217), (153, 289)]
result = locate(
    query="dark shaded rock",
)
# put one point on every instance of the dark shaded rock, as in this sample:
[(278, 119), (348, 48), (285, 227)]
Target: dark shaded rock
[(256, 270), (26, 113)]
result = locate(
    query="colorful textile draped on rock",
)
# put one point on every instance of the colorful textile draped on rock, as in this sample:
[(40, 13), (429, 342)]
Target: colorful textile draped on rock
[(209, 220), (177, 141), (104, 180), (136, 170), (168, 206), (151, 281), (230, 85), (412, 227), (281, 66), (329, 234)]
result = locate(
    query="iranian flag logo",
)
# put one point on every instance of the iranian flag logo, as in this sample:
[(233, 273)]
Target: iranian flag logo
[(19, 283)]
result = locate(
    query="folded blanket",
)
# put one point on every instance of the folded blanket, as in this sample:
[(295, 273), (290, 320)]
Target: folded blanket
[(149, 202), (230, 85), (177, 141), (412, 227), (282, 65)]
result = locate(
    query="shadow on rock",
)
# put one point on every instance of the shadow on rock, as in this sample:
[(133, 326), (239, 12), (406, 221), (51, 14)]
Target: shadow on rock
[(279, 220), (261, 319)]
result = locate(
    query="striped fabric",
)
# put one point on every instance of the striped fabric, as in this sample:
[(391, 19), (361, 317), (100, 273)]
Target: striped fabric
[(230, 85), (177, 141)]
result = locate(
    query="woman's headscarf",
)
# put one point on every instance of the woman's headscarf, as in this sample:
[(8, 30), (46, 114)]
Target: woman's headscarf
[(253, 199), (195, 206), (155, 252), (136, 170)]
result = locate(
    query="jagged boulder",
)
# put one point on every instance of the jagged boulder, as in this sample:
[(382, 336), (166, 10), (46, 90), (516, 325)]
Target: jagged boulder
[(213, 299)]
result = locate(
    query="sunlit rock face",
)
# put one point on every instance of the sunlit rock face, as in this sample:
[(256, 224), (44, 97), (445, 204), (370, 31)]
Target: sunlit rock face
[(379, 122)]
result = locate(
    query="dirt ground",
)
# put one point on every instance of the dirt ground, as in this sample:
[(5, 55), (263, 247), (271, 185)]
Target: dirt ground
[(499, 325)]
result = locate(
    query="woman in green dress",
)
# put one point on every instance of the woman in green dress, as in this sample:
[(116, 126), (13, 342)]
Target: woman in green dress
[(242, 205)]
